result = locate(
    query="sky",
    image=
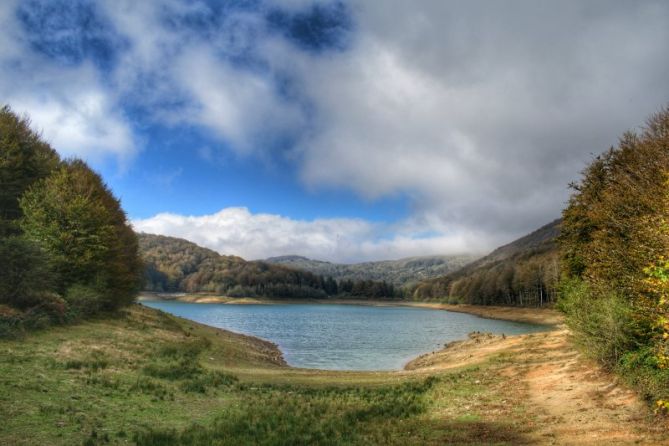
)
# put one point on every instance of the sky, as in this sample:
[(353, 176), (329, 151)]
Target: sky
[(339, 130)]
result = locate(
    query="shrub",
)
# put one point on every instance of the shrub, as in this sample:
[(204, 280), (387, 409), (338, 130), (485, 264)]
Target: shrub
[(641, 369), (215, 379), (83, 300), (11, 322), (24, 274), (603, 324), (183, 369)]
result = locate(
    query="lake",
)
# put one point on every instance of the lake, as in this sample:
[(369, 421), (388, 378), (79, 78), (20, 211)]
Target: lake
[(344, 337)]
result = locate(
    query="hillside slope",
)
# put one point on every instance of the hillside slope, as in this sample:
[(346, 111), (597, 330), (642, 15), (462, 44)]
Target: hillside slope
[(174, 264), (177, 265), (523, 272), (398, 272)]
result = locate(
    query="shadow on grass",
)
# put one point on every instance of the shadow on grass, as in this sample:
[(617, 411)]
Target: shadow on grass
[(453, 433), (458, 432), (280, 415)]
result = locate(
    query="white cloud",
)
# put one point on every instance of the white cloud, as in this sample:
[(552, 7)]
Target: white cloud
[(480, 112), (70, 105), (237, 231), (196, 70), (241, 107), (82, 124)]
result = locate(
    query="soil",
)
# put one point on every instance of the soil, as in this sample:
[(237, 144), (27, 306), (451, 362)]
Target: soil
[(575, 401)]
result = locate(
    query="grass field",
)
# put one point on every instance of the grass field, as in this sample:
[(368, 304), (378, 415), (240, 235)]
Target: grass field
[(148, 378)]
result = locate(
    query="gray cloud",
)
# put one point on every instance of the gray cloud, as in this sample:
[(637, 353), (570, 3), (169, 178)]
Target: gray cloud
[(485, 111)]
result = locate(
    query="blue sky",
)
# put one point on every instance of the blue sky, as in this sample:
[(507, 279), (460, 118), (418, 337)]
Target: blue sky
[(185, 171), (339, 130)]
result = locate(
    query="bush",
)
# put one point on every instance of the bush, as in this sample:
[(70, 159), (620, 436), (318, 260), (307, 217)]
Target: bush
[(11, 322), (183, 369), (211, 379), (50, 310), (51, 305), (603, 324), (83, 301), (640, 369), (24, 274)]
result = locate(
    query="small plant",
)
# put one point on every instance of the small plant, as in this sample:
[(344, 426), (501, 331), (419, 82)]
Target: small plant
[(152, 387), (214, 379), (183, 369), (284, 414), (93, 365)]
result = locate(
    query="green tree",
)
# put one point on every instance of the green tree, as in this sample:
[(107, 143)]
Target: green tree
[(82, 227), (610, 227), (614, 247)]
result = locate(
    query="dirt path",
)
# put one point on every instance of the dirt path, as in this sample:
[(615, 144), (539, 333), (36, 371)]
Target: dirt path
[(574, 401)]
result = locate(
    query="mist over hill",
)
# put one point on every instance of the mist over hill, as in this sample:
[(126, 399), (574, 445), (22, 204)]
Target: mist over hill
[(523, 272), (406, 271)]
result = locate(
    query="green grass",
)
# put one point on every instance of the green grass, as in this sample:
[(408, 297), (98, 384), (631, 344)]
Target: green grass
[(148, 378)]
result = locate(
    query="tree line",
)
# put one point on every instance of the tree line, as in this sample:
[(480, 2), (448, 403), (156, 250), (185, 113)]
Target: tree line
[(177, 265), (523, 273), (66, 246), (615, 259)]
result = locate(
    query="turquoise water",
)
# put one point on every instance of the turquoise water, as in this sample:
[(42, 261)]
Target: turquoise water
[(344, 337)]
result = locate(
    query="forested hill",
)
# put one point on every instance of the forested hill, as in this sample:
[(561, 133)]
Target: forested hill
[(523, 272), (400, 272), (174, 264)]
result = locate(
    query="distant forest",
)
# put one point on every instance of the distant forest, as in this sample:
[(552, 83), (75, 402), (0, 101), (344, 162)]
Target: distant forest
[(401, 272), (177, 265), (525, 272)]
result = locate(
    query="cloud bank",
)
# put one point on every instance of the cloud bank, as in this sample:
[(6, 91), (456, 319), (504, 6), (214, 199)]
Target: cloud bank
[(237, 231), (480, 112)]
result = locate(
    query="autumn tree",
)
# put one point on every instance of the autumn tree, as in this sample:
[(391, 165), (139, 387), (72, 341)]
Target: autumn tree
[(24, 159), (614, 246), (74, 217)]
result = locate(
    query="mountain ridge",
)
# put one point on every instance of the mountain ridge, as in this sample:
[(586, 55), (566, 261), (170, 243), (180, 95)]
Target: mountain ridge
[(399, 272), (522, 272), (178, 265)]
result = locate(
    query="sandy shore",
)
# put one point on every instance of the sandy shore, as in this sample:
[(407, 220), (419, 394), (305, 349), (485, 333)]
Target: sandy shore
[(543, 316), (574, 399)]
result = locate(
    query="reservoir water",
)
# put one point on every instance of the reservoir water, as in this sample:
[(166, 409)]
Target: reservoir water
[(344, 337)]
